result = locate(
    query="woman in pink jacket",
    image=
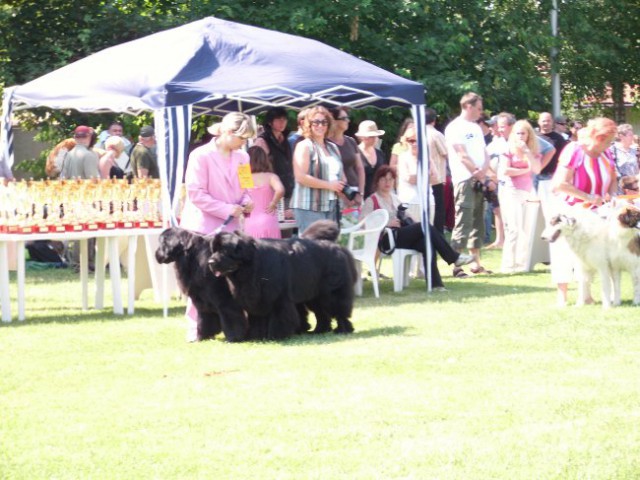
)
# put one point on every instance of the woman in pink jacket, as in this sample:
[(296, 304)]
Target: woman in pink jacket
[(212, 182), (214, 192)]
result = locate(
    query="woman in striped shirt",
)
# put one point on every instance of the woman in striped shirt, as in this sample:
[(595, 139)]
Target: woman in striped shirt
[(585, 175)]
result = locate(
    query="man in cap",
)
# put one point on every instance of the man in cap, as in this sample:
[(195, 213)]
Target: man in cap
[(561, 126), (485, 124), (81, 161), (144, 161)]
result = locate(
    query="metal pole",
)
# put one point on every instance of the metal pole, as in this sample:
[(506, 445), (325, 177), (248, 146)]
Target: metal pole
[(555, 76)]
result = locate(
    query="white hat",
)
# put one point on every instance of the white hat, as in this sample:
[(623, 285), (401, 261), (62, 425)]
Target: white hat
[(368, 128)]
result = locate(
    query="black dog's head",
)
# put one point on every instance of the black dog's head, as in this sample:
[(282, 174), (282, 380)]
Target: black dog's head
[(230, 251), (173, 243), (322, 230)]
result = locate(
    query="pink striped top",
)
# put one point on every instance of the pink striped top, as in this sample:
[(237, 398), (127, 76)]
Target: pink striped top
[(590, 175)]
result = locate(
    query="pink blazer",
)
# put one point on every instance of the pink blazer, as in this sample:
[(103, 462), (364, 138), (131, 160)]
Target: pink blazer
[(213, 189)]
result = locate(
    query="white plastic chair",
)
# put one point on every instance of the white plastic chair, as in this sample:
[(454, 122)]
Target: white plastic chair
[(368, 230), (401, 258)]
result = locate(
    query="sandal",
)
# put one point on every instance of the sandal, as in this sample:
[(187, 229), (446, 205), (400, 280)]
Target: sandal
[(481, 270), (459, 273)]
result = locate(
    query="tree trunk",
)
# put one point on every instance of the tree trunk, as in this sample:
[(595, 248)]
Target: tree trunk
[(617, 95)]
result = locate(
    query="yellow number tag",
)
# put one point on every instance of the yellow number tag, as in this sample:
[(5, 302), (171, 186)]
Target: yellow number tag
[(244, 175)]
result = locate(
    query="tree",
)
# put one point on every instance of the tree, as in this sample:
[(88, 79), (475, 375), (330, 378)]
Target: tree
[(600, 48), (499, 49)]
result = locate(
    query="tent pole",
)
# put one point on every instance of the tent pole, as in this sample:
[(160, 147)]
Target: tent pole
[(418, 112)]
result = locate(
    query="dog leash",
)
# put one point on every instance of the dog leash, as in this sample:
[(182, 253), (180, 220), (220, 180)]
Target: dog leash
[(226, 222)]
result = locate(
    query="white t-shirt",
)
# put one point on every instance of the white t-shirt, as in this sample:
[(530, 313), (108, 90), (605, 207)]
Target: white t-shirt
[(496, 150), (469, 134)]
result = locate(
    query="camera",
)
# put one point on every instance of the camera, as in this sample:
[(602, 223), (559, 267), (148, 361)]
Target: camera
[(401, 214), (350, 192), (478, 186)]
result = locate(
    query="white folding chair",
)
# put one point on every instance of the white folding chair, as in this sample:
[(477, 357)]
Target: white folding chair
[(363, 245), (401, 258)]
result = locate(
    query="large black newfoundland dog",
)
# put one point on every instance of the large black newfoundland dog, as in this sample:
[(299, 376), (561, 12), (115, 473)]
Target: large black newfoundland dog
[(276, 281), (217, 310)]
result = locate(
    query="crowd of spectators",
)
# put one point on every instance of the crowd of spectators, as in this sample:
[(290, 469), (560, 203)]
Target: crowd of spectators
[(484, 170)]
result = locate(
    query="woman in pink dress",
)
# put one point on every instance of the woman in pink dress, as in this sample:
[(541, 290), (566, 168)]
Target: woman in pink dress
[(266, 193)]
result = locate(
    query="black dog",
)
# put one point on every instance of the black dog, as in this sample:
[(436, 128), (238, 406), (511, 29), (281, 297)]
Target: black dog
[(217, 310), (276, 280)]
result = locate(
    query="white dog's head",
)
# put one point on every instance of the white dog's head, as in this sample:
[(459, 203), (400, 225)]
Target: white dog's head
[(557, 225)]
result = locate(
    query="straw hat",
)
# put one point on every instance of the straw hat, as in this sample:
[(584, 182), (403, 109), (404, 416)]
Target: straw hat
[(368, 128)]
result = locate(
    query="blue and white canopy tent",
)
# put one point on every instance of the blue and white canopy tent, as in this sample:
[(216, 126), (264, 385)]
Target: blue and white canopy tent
[(214, 66)]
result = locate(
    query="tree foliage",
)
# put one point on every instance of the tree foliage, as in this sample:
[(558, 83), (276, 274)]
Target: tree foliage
[(499, 49)]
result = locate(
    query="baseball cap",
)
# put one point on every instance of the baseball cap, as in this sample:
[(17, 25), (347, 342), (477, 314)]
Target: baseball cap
[(82, 131), (147, 131), (561, 120)]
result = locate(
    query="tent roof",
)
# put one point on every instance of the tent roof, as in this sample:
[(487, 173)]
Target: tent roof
[(218, 66)]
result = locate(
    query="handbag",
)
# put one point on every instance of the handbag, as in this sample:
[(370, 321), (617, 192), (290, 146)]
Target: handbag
[(116, 171), (384, 245)]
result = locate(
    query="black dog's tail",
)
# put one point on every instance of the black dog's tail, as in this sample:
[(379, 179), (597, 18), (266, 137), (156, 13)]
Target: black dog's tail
[(322, 230)]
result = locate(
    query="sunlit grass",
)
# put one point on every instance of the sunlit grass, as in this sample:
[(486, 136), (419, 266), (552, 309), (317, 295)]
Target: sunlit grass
[(487, 380)]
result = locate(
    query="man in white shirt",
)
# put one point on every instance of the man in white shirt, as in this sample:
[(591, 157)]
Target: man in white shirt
[(115, 130), (468, 161)]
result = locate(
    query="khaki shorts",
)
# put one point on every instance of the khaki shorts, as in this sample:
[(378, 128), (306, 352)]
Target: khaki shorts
[(469, 227)]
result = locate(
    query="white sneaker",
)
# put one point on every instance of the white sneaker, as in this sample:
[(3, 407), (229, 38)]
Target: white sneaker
[(464, 259)]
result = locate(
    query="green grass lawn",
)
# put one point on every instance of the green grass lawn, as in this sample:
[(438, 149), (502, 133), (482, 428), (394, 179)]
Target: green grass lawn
[(486, 381)]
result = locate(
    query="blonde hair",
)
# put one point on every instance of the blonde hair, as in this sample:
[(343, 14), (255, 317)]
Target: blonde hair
[(114, 143), (410, 131), (51, 169), (532, 139), (306, 127), (237, 124), (597, 127)]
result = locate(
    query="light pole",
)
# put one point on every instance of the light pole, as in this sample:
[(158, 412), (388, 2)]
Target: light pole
[(555, 76)]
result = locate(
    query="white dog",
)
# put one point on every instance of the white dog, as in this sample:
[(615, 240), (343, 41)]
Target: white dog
[(605, 244), (624, 250)]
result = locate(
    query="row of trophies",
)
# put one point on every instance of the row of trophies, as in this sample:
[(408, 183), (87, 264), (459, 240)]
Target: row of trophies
[(73, 205)]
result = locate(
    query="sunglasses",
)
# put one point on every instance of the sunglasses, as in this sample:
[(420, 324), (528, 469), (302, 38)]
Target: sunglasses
[(346, 119), (318, 123)]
